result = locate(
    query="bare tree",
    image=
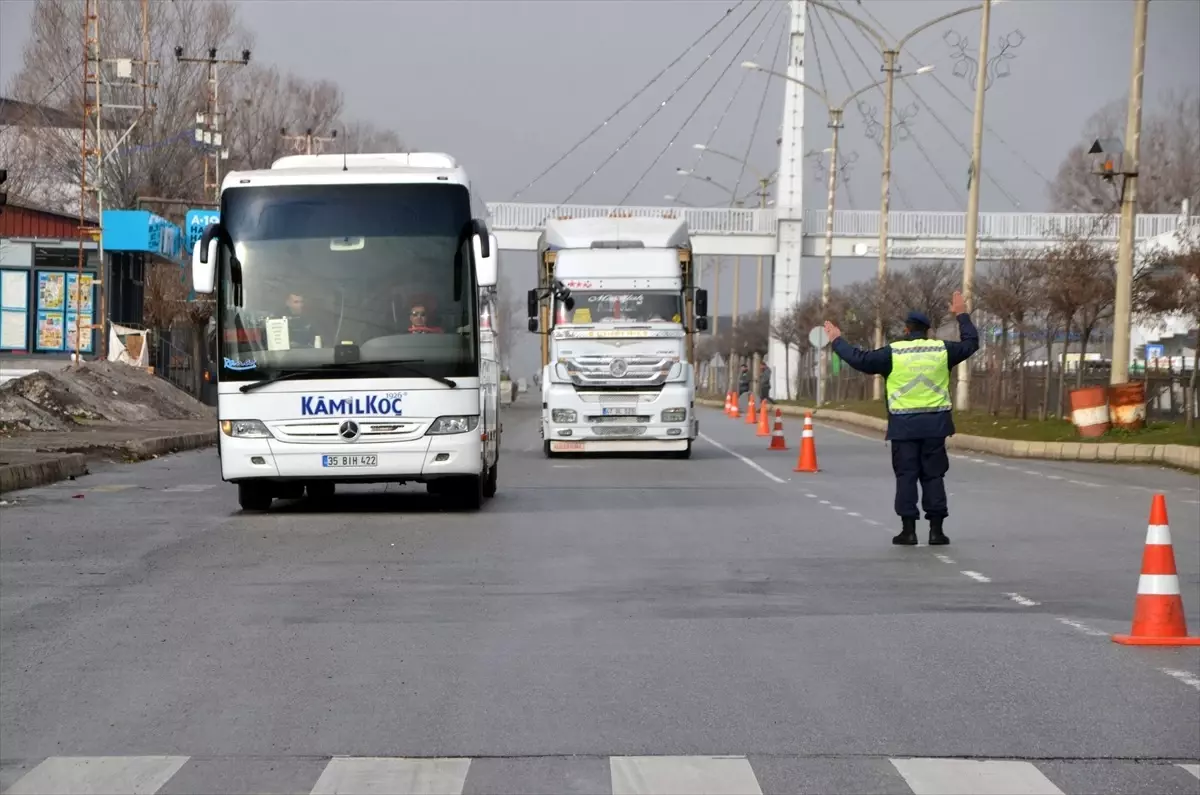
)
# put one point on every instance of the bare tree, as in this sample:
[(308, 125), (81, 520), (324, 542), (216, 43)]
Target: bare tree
[(790, 331), (924, 288), (1171, 286), (1170, 159), (1011, 290), (157, 157)]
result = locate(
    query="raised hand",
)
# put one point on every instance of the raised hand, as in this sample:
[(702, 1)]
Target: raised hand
[(958, 304)]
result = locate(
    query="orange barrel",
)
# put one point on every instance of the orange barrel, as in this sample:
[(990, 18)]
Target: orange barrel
[(1128, 402), (1089, 411)]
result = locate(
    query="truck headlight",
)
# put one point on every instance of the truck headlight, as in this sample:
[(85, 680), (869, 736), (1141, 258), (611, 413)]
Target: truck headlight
[(563, 415), (674, 415), (447, 425), (245, 429)]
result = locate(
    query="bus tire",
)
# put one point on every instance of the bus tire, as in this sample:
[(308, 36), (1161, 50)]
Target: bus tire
[(254, 497), (491, 482), (467, 493)]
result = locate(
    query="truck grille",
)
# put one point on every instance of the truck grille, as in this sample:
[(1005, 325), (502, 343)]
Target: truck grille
[(618, 430), (603, 369)]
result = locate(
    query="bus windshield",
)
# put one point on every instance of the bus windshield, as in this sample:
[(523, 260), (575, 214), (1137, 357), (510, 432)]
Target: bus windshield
[(622, 306), (385, 269)]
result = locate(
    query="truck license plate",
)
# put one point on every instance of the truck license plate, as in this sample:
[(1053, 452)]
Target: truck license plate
[(349, 461), (566, 447), (619, 411)]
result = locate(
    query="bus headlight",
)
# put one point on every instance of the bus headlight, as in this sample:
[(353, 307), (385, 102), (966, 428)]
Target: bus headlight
[(674, 415), (447, 425), (566, 416), (245, 429)]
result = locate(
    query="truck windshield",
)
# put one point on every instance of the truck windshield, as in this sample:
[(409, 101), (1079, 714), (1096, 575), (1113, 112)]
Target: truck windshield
[(383, 268), (623, 306)]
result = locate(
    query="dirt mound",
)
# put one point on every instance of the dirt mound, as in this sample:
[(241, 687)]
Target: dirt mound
[(97, 391)]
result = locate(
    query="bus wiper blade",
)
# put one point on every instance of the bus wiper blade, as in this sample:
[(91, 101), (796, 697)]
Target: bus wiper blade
[(404, 364), (282, 375)]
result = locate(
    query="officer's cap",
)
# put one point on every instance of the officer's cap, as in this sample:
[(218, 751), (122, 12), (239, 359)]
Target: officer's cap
[(917, 320)]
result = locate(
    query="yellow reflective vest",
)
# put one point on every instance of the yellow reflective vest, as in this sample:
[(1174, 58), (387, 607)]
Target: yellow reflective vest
[(920, 379)]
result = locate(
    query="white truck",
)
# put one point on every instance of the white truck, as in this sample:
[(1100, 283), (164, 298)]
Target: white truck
[(618, 310), (348, 303)]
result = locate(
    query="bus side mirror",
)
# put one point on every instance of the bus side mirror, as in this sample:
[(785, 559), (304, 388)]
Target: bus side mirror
[(204, 265), (487, 263)]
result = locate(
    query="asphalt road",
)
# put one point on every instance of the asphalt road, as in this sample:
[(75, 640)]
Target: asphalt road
[(621, 625)]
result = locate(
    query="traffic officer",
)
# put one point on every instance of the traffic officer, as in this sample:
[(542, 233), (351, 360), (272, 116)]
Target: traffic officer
[(919, 411)]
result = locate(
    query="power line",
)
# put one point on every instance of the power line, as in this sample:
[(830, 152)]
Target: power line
[(762, 102), (736, 55), (662, 104), (894, 183), (684, 182), (916, 141), (961, 144), (631, 100)]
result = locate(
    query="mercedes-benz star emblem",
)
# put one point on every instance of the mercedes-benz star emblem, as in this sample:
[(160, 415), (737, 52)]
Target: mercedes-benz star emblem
[(618, 368), (348, 430)]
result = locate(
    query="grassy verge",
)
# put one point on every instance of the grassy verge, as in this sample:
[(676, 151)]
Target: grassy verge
[(980, 423)]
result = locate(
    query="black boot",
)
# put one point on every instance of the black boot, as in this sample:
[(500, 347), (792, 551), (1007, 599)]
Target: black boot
[(936, 536), (908, 536)]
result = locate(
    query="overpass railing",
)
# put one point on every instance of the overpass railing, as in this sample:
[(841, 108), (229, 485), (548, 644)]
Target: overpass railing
[(529, 217)]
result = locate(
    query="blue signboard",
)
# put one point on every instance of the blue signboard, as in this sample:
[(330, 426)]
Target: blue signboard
[(1154, 351), (196, 221), (141, 230)]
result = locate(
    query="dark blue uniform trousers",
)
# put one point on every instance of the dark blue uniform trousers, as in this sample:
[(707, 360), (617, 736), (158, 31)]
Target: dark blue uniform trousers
[(923, 461)]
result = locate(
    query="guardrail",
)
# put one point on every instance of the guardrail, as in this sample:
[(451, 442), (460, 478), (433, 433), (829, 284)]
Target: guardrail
[(529, 217)]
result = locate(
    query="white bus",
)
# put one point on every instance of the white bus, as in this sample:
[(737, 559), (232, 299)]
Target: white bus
[(348, 320)]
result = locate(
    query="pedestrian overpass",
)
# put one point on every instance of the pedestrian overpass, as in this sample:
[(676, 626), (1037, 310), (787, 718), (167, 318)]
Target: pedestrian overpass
[(727, 231)]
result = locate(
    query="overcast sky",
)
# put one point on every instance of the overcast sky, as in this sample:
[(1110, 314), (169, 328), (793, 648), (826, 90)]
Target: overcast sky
[(508, 86)]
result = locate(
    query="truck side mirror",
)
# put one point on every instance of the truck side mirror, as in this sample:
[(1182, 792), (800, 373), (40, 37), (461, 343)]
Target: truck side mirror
[(531, 304), (701, 304), (701, 323), (533, 324)]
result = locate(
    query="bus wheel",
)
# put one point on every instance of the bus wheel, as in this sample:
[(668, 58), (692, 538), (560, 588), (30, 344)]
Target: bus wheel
[(491, 481), (468, 493), (320, 490), (254, 497)]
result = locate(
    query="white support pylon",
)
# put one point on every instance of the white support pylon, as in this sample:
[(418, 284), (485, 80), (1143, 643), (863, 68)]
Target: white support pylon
[(789, 204)]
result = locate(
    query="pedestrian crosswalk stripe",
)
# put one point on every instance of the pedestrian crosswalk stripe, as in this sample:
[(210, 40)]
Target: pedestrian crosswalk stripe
[(667, 775), (620, 775), (973, 777), (66, 775), (390, 775)]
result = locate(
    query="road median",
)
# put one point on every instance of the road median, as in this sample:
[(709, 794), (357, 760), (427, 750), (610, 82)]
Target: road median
[(1179, 456)]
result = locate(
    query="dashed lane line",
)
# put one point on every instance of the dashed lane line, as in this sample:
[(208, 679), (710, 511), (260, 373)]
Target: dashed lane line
[(743, 459), (1022, 600), (976, 576), (1187, 677)]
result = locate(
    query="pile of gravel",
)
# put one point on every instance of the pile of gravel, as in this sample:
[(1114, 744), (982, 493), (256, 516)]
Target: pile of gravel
[(96, 391)]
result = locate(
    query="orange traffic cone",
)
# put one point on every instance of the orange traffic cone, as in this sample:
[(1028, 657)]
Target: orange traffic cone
[(764, 425), (736, 406), (728, 401), (751, 416), (807, 462), (777, 442), (1158, 609)]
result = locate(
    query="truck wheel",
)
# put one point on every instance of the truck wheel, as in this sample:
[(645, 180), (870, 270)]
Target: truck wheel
[(546, 450), (685, 453), (491, 481), (254, 497)]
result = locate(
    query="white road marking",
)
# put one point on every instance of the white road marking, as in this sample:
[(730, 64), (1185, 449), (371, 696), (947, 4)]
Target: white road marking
[(974, 575), (1095, 633), (1187, 677), (973, 777), (670, 775), (872, 522), (1054, 477), (850, 433), (945, 559), (854, 514), (1021, 600), (1033, 472), (1193, 769), (67, 775), (837, 507), (114, 487), (393, 776), (979, 461), (1084, 483), (810, 495), (743, 459), (191, 487), (826, 502)]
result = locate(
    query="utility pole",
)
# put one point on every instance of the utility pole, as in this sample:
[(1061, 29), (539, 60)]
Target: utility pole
[(976, 175), (1133, 130), (90, 158), (303, 144), (209, 123)]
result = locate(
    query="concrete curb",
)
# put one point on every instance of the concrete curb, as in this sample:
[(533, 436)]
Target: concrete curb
[(1179, 456), (72, 465)]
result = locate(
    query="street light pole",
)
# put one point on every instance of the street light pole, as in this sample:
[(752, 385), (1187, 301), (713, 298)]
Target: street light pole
[(972, 242), (1123, 300)]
